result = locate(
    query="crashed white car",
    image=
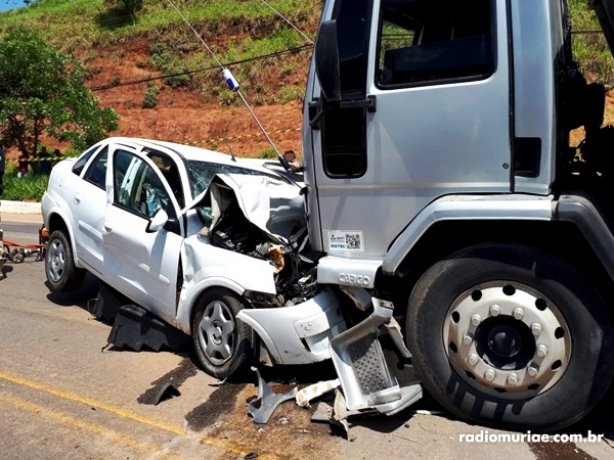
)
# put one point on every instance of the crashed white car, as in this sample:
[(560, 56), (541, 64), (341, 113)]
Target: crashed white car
[(140, 216)]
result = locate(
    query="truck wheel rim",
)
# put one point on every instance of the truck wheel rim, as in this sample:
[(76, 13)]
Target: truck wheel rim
[(216, 333), (508, 338), (56, 257)]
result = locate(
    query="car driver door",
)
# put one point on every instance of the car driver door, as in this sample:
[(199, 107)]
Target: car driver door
[(143, 261)]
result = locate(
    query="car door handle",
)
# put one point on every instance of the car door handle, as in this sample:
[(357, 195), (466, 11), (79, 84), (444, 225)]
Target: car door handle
[(107, 228), (78, 198)]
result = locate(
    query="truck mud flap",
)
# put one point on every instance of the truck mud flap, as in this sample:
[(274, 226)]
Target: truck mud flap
[(135, 328), (366, 381)]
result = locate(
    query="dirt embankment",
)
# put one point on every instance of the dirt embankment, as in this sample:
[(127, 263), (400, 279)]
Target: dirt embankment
[(192, 116), (189, 115)]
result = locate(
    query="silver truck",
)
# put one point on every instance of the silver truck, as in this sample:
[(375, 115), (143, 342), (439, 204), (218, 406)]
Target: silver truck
[(441, 180), (460, 243)]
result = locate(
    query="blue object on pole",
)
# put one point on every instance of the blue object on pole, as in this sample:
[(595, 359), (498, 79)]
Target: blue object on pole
[(231, 81)]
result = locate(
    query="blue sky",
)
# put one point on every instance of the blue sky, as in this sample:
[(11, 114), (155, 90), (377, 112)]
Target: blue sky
[(10, 4)]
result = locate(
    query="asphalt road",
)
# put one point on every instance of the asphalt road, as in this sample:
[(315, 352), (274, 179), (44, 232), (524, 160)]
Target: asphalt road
[(63, 394)]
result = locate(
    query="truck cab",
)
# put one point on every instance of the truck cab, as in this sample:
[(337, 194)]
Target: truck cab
[(441, 176)]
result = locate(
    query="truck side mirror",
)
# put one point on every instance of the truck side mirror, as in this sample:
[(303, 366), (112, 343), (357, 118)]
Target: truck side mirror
[(327, 61)]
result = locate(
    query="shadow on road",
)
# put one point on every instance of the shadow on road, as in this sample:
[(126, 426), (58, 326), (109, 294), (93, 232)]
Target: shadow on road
[(80, 297)]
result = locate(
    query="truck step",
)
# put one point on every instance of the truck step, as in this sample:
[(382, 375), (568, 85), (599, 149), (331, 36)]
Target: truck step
[(366, 381)]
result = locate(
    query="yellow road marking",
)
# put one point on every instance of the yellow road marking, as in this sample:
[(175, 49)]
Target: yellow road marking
[(119, 411), (76, 423)]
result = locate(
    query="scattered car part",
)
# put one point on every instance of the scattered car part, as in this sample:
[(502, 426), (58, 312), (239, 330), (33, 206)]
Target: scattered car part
[(165, 391), (106, 304), (136, 328), (310, 392), (268, 400)]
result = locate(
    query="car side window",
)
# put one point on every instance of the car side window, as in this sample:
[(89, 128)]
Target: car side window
[(137, 187), (83, 159), (169, 170), (97, 171)]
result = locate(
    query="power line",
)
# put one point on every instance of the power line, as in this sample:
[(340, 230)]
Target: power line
[(202, 40), (234, 86), (204, 69), (278, 13)]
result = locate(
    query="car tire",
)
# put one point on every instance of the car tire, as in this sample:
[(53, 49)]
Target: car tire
[(510, 336), (224, 345), (62, 274)]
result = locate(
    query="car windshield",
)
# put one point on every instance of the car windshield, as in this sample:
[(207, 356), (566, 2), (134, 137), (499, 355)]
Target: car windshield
[(201, 173)]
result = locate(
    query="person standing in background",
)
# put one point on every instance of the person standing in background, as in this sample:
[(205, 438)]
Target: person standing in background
[(2, 167), (45, 164)]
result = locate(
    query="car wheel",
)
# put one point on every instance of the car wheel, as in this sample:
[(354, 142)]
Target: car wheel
[(223, 344), (510, 335), (62, 275)]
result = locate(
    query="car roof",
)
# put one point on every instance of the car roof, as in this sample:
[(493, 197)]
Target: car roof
[(192, 153)]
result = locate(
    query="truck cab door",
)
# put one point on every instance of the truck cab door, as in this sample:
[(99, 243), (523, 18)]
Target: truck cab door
[(422, 110)]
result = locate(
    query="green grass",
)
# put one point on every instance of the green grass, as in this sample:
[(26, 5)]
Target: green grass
[(29, 188), (103, 21), (590, 50)]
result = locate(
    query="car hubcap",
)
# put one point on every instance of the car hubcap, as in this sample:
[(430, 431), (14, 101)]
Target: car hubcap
[(216, 333), (507, 337), (56, 258)]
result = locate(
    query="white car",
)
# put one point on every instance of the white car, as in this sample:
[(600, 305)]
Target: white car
[(136, 214)]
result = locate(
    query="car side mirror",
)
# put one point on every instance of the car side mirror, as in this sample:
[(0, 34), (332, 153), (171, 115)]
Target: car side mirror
[(327, 61), (158, 221)]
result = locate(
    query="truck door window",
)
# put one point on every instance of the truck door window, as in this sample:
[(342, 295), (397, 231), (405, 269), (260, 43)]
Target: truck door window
[(344, 150), (426, 41)]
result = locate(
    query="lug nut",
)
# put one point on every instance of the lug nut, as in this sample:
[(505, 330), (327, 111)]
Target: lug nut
[(532, 371), (467, 339), (476, 320), (490, 375), (473, 359), (536, 329), (513, 379), (542, 350), (518, 313), (495, 310)]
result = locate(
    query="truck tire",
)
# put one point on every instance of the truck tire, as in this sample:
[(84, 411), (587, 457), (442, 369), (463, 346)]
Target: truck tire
[(60, 270), (223, 345), (510, 336)]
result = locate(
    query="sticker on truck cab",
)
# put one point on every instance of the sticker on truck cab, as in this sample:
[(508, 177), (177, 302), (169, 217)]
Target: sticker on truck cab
[(341, 240)]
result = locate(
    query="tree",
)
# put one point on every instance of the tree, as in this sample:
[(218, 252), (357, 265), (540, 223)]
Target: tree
[(126, 7), (133, 6), (42, 90)]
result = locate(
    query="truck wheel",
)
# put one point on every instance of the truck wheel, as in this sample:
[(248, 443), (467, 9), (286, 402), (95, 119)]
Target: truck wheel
[(62, 275), (223, 345), (510, 335)]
